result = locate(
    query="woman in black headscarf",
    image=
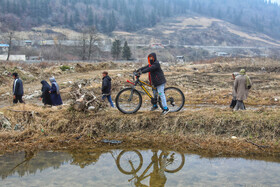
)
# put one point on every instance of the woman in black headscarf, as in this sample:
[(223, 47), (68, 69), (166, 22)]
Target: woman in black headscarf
[(46, 97)]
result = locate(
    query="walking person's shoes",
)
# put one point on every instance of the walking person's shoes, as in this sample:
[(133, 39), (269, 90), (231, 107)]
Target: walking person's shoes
[(166, 111), (154, 108)]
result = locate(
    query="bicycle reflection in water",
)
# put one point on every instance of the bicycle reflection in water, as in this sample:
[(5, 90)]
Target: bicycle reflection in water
[(130, 162)]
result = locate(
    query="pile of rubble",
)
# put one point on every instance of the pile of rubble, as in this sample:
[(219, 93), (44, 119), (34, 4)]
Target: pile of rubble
[(84, 99), (4, 122)]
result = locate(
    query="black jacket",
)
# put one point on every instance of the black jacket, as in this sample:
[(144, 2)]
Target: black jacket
[(46, 96), (18, 87), (106, 85), (157, 75)]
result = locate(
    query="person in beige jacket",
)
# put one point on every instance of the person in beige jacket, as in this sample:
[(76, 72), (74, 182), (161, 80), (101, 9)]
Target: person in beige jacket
[(233, 101), (242, 84)]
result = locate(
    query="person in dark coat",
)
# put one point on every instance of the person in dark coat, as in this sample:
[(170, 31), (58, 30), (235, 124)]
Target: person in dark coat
[(106, 88), (17, 89), (55, 93), (46, 97), (157, 78)]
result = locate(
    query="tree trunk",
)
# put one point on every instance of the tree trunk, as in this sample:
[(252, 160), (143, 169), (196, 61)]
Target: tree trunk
[(90, 46), (10, 45), (84, 50)]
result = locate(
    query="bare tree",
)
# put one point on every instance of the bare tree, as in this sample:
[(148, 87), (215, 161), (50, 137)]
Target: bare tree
[(89, 38), (10, 37), (84, 38), (93, 38), (58, 41)]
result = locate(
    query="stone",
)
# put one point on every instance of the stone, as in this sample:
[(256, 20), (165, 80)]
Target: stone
[(5, 124), (35, 94), (6, 73), (17, 127), (233, 137), (91, 108)]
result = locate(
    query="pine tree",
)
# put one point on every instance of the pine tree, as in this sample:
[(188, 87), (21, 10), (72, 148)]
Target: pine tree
[(65, 18), (116, 49), (8, 6), (3, 6), (90, 18), (104, 25), (112, 22), (105, 4), (77, 16), (71, 22), (98, 2), (126, 53), (115, 4)]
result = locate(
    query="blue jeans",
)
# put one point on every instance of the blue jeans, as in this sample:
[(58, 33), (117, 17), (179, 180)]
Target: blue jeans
[(160, 91), (109, 99)]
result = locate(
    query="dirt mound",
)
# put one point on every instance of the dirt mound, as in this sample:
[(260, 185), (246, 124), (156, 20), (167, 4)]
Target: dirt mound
[(229, 65), (237, 68), (83, 67), (4, 80)]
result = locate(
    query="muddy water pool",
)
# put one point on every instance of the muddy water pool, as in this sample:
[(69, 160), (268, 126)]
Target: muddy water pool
[(133, 168)]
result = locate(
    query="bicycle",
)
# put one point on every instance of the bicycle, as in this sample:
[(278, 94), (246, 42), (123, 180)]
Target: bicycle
[(129, 100), (130, 162)]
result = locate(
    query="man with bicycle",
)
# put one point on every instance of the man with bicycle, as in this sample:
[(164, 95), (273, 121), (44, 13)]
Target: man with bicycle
[(157, 78)]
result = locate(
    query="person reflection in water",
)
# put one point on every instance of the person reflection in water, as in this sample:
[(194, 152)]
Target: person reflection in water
[(157, 177)]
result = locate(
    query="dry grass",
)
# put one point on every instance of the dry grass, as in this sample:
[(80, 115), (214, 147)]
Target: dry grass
[(208, 130)]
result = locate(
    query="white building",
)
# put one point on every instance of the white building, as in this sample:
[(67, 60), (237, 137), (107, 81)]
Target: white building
[(13, 57)]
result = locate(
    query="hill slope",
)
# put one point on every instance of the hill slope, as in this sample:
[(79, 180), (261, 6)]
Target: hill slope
[(133, 15), (201, 31)]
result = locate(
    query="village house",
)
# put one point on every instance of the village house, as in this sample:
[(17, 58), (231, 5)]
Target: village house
[(4, 48)]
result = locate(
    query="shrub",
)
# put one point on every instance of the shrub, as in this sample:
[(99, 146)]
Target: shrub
[(64, 68)]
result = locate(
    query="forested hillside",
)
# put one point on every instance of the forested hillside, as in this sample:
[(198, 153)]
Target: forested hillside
[(132, 15)]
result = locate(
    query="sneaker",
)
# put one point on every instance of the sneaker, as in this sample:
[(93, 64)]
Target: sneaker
[(164, 112), (154, 108)]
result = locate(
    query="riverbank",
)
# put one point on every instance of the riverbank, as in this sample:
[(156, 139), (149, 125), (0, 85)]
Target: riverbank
[(216, 132)]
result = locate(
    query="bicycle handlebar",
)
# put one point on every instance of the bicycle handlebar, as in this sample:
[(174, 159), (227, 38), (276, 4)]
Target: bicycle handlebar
[(137, 75)]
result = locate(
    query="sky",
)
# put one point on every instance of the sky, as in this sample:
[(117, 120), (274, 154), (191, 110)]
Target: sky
[(278, 1)]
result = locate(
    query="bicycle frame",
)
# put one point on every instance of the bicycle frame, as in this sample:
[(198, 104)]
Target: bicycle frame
[(142, 176), (141, 84)]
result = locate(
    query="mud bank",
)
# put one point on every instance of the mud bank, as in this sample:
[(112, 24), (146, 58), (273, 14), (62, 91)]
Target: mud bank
[(208, 131)]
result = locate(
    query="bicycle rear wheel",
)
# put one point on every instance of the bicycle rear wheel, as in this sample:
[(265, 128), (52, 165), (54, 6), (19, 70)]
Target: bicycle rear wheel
[(128, 101), (175, 99)]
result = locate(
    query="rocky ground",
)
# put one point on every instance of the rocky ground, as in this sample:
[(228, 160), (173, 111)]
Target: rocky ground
[(205, 124)]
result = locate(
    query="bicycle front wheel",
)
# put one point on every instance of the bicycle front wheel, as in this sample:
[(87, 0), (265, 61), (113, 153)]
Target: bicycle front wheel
[(128, 101), (129, 162), (172, 161), (175, 99)]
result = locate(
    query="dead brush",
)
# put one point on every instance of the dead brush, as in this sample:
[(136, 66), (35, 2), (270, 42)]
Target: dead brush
[(210, 129), (84, 99)]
